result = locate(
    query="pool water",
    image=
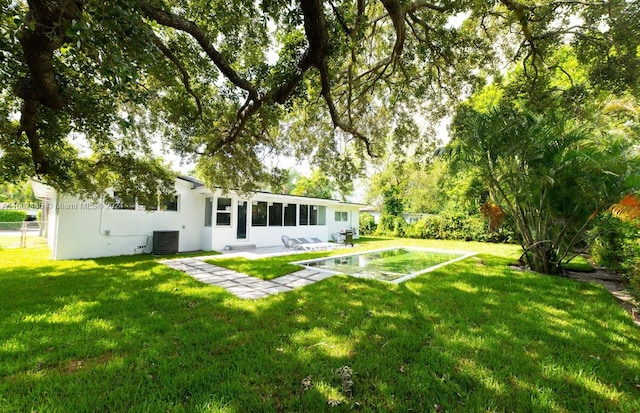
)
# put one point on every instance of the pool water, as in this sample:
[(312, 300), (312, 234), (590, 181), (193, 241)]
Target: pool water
[(393, 265)]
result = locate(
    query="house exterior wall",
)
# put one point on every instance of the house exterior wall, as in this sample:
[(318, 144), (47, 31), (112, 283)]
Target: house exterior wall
[(83, 229), (226, 235), (338, 223), (52, 222)]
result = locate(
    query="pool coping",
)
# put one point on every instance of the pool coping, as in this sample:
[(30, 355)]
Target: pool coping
[(463, 255)]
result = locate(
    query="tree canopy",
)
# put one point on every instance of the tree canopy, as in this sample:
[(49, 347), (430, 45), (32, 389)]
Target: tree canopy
[(550, 167), (225, 83)]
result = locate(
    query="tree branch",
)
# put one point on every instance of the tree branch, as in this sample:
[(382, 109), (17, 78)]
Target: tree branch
[(424, 5), (183, 71), (255, 100), (521, 11), (316, 32), (42, 33), (174, 21), (28, 120), (396, 13)]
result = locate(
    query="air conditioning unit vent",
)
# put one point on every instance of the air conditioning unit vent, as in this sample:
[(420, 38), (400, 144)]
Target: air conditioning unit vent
[(165, 242)]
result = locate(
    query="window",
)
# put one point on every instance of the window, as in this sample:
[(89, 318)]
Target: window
[(313, 215), (122, 201), (290, 211), (208, 211), (171, 205), (152, 207), (304, 214), (342, 216), (223, 212), (258, 214), (322, 215), (275, 214)]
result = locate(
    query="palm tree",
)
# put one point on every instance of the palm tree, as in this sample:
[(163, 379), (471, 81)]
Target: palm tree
[(546, 172)]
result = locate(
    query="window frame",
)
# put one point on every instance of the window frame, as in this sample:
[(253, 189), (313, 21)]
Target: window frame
[(291, 215), (176, 201), (322, 215), (119, 203), (223, 210), (208, 212), (339, 215), (313, 215), (254, 213), (305, 208), (275, 214)]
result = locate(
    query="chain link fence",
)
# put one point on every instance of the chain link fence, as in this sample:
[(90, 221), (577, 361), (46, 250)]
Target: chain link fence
[(22, 234)]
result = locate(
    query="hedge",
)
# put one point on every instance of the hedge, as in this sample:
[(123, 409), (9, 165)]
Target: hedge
[(450, 227), (11, 219), (12, 215)]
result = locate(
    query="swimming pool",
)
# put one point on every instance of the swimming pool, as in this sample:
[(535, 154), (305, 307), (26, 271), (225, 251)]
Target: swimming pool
[(392, 264)]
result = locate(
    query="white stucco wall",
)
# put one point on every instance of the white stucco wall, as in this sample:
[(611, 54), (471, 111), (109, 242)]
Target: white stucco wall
[(87, 230), (81, 229), (353, 219), (52, 221), (265, 236)]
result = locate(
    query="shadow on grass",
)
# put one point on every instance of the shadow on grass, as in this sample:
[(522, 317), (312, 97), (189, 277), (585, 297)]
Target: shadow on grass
[(131, 334)]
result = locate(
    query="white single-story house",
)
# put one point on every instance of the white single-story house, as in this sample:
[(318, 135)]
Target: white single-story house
[(199, 218)]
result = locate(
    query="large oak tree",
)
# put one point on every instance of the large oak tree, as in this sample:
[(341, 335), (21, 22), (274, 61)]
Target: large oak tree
[(227, 82)]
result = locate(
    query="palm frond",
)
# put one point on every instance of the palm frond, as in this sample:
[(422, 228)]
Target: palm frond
[(493, 213), (628, 209)]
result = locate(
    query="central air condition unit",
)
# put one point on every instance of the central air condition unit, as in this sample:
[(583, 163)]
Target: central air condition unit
[(165, 242)]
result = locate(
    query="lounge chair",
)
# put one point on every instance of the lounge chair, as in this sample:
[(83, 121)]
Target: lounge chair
[(304, 244), (290, 243)]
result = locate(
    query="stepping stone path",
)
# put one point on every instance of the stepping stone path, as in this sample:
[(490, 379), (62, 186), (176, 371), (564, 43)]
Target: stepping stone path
[(243, 285)]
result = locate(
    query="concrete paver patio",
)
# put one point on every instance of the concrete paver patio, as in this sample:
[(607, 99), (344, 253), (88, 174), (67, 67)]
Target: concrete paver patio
[(242, 285)]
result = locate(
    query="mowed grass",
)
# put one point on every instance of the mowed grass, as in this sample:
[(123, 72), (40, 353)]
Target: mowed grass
[(129, 334), (267, 268), (276, 266), (16, 241)]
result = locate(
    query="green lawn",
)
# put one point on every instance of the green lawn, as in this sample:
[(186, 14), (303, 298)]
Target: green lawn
[(129, 334), (16, 241), (267, 268)]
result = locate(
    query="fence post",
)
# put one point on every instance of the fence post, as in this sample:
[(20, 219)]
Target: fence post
[(23, 236)]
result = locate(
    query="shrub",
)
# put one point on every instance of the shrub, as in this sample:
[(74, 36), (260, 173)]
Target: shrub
[(455, 226), (463, 227), (399, 227), (367, 224), (391, 226), (613, 245), (616, 247), (12, 215), (11, 219), (429, 227), (630, 268)]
